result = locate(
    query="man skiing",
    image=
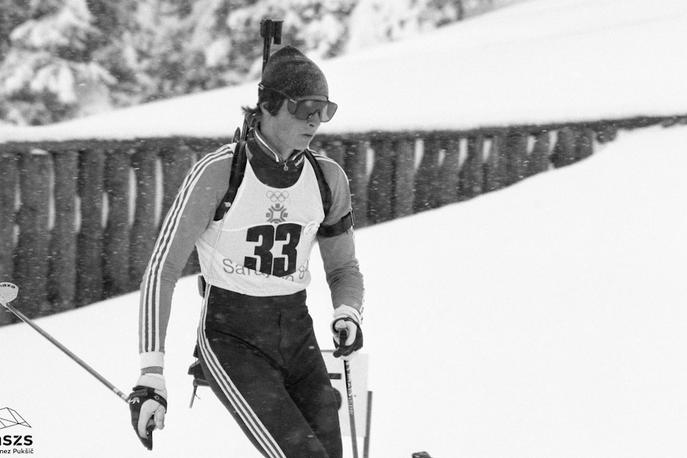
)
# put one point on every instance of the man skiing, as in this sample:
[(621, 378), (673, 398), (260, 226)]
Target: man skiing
[(256, 344)]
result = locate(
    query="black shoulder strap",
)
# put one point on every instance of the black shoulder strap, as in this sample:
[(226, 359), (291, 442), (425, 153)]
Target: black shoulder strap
[(238, 168), (344, 223), (325, 192)]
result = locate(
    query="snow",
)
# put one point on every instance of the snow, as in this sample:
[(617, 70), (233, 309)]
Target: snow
[(536, 61), (544, 320)]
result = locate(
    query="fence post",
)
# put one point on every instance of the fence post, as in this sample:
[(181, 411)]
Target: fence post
[(176, 161), (9, 177), (584, 144), (404, 177), (564, 150), (449, 173), (62, 273), (471, 172), (189, 151), (381, 186), (117, 233), (538, 159), (515, 154), (31, 255), (356, 169), (335, 151), (606, 132), (144, 230), (89, 284), (426, 181), (493, 177)]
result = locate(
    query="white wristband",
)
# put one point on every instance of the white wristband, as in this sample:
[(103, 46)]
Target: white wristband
[(152, 358)]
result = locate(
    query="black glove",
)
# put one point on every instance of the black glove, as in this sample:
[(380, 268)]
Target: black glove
[(348, 335), (148, 405)]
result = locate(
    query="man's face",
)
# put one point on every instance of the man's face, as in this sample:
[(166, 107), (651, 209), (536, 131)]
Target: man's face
[(289, 133)]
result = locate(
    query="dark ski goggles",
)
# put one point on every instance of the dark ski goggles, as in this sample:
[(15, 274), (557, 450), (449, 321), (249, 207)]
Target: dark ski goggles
[(306, 108)]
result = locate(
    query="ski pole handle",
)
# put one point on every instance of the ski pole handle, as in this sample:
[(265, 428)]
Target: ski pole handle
[(343, 336)]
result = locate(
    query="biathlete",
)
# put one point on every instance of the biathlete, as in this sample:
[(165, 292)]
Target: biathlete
[(256, 344)]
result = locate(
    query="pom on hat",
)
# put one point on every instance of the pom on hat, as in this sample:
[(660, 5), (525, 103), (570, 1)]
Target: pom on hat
[(291, 72)]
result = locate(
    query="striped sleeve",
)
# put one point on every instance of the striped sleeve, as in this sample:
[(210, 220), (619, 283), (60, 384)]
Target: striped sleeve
[(338, 252), (189, 215)]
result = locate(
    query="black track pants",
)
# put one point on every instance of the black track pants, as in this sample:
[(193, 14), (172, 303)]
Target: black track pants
[(260, 356)]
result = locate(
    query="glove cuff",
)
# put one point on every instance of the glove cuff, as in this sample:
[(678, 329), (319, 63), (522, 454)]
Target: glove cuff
[(154, 381)]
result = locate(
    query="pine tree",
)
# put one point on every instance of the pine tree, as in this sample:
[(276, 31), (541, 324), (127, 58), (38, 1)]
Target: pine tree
[(115, 47), (316, 26), (187, 46), (48, 73), (64, 58)]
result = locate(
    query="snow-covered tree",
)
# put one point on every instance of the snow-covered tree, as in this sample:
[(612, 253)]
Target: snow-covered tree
[(65, 58), (49, 72), (185, 46), (205, 44), (319, 27), (12, 13)]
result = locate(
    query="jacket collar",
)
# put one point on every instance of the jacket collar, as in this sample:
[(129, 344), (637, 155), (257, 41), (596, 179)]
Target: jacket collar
[(296, 157)]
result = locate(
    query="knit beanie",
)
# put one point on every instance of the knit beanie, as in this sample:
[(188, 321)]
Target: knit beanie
[(291, 72)]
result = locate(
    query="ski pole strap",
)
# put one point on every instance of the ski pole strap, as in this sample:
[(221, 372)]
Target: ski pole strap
[(138, 396)]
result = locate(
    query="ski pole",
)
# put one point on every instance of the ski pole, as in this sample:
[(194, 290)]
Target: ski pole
[(8, 292), (349, 393), (351, 411)]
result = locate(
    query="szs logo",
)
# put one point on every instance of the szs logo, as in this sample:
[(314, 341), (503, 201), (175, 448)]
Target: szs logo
[(11, 418)]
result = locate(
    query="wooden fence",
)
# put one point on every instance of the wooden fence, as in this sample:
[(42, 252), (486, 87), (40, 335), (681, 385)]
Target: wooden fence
[(79, 218)]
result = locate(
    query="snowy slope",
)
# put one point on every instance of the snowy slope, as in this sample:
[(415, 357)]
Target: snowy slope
[(544, 320), (536, 61)]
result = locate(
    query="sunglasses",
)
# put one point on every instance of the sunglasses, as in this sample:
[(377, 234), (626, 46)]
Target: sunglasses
[(306, 108)]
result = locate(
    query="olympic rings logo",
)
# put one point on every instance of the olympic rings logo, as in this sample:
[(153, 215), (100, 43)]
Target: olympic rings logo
[(277, 196)]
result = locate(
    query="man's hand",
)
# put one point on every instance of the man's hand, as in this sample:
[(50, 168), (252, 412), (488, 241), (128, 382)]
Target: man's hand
[(348, 335), (148, 404)]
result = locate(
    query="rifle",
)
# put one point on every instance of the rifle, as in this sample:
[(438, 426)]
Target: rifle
[(270, 31)]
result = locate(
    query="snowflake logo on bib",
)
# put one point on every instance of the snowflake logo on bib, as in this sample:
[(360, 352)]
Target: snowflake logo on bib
[(277, 213)]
